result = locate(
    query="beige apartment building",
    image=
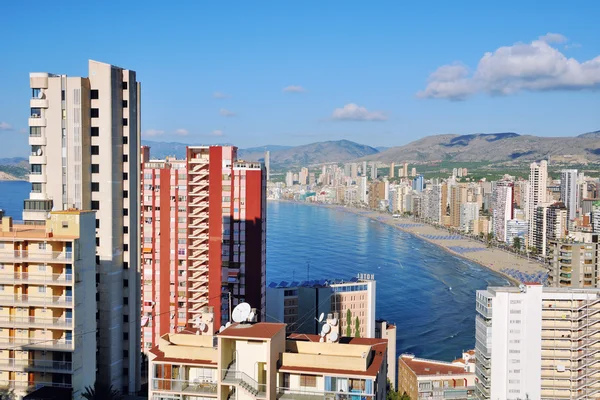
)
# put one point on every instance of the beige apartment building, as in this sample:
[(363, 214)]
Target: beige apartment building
[(573, 264), (421, 378), (48, 305), (257, 361), (356, 299), (84, 134)]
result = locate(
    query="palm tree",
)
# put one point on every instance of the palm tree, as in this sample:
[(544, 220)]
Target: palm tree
[(101, 391)]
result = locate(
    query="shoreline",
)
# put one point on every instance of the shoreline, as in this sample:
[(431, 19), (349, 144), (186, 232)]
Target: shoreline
[(483, 256)]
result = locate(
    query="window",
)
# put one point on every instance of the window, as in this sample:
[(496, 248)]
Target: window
[(124, 85), (125, 194), (94, 94), (125, 140), (95, 168), (125, 352), (36, 169), (125, 176), (95, 150), (124, 103), (95, 205), (97, 241), (62, 95), (65, 224), (125, 122), (42, 246), (94, 113), (125, 247), (95, 187), (95, 131), (125, 335), (125, 265), (308, 380), (36, 188), (125, 318), (35, 131), (124, 157), (36, 113), (125, 212), (35, 93), (97, 223), (125, 300), (41, 289), (125, 229)]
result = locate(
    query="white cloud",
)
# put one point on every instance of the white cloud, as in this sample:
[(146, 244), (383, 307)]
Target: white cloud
[(294, 89), (181, 132), (23, 130), (220, 95), (226, 113), (536, 66), (5, 126), (353, 112), (153, 132), (217, 132), (553, 38)]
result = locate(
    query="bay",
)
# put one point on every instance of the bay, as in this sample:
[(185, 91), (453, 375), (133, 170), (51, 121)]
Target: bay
[(413, 276)]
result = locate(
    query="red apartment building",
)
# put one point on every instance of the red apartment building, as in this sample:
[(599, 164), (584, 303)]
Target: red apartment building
[(203, 237)]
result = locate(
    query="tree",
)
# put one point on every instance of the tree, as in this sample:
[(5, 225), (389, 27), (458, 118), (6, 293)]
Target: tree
[(7, 394), (101, 391), (517, 243), (357, 328), (348, 323)]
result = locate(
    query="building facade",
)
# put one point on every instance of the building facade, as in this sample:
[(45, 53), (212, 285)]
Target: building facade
[(204, 233), (84, 135), (573, 264), (538, 180), (48, 305), (537, 343), (569, 191), (355, 299)]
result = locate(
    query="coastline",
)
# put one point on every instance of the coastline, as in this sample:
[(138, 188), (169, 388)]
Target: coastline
[(493, 259)]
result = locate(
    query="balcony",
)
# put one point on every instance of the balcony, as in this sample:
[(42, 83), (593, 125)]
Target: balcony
[(45, 279), (35, 159), (27, 386), (38, 103), (35, 344), (20, 256), (44, 301), (197, 386), (37, 140), (11, 321), (13, 364)]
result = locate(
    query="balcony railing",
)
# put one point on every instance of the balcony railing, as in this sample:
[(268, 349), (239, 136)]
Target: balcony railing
[(25, 299), (198, 385), (28, 256), (33, 343), (48, 279), (12, 384), (301, 394), (41, 365), (31, 321)]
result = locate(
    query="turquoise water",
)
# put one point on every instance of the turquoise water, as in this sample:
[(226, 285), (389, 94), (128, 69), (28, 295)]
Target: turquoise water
[(413, 276)]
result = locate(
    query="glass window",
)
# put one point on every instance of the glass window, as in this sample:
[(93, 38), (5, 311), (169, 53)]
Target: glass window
[(36, 113), (35, 131)]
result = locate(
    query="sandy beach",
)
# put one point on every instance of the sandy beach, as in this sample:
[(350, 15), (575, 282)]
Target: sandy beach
[(495, 259)]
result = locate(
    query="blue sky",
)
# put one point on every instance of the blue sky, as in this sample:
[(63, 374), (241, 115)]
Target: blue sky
[(379, 73)]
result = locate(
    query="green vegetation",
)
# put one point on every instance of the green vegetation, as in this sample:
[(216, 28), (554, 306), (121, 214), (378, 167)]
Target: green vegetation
[(101, 391), (394, 395), (17, 171), (517, 243), (357, 328), (348, 323)]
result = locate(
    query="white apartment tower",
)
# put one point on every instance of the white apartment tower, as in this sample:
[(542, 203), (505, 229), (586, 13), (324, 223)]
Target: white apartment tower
[(537, 343), (569, 191), (85, 140), (538, 177)]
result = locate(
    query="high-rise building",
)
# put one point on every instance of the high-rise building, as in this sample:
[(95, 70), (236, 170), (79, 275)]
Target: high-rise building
[(573, 264), (516, 228), (268, 165), (363, 171), (376, 194), (392, 167), (289, 179), (418, 183), (303, 176), (355, 299), (458, 196), (469, 212), (48, 304), (404, 170), (569, 191), (538, 177), (373, 171), (502, 208), (85, 134), (413, 171), (354, 171), (204, 223), (537, 342), (385, 330)]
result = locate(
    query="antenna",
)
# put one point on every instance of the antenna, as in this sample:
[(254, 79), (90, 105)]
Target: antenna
[(320, 319), (241, 312)]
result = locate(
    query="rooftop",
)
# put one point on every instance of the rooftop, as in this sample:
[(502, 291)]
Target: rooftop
[(260, 330), (423, 367), (315, 283)]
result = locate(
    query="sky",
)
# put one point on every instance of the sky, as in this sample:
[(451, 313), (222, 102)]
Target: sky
[(256, 73)]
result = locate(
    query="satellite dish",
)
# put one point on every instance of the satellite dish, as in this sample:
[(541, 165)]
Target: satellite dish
[(40, 94), (203, 327), (334, 336), (241, 312), (326, 329), (221, 329), (197, 322), (251, 316), (321, 317), (334, 322), (39, 151), (321, 340), (322, 335), (228, 324)]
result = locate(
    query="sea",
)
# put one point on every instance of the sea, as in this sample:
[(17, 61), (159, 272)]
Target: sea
[(425, 291)]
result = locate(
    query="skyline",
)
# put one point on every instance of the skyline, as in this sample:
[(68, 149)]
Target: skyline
[(339, 73)]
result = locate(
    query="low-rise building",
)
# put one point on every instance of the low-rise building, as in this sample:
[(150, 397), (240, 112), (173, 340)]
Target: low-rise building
[(257, 361), (420, 378)]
